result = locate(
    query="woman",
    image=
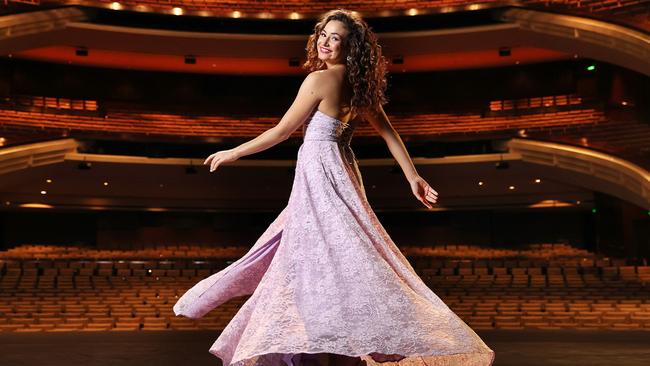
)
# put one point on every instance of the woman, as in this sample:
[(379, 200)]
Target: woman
[(328, 284)]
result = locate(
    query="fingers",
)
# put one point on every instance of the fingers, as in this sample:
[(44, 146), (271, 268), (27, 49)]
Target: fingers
[(430, 196), (213, 161), (430, 193), (215, 164), (208, 159)]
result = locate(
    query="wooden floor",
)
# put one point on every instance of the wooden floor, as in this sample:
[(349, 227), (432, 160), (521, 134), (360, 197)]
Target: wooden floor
[(529, 347)]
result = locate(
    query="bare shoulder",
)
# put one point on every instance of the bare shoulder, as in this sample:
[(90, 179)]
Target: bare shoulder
[(327, 77)]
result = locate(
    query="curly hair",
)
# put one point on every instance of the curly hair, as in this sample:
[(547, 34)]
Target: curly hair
[(365, 67)]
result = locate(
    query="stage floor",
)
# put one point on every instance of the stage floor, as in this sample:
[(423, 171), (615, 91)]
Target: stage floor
[(160, 348)]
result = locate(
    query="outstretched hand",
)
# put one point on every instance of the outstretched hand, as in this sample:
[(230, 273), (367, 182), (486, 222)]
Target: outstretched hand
[(423, 191), (220, 157)]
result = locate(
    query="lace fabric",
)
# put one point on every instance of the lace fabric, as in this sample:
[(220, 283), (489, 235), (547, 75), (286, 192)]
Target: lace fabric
[(325, 277)]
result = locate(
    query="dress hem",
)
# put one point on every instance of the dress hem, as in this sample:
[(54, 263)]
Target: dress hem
[(425, 359)]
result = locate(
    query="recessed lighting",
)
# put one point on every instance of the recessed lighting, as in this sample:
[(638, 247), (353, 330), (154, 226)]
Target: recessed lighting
[(48, 180), (35, 205), (537, 180), (105, 183), (236, 14), (177, 11), (43, 192), (480, 183), (412, 11), (115, 5), (511, 187)]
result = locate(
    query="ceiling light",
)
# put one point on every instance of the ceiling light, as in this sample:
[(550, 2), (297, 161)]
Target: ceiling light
[(35, 205), (177, 11), (43, 192), (115, 5), (511, 187)]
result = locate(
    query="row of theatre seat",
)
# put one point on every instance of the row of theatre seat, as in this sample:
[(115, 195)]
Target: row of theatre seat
[(160, 252), (224, 126), (587, 292)]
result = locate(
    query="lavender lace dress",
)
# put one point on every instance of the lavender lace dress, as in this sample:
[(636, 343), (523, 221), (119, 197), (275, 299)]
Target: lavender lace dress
[(325, 277)]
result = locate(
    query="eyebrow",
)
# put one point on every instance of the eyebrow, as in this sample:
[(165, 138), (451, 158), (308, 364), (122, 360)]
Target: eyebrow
[(330, 33)]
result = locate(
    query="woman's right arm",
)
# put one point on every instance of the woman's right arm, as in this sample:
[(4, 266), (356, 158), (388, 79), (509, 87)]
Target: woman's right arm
[(421, 189), (308, 97)]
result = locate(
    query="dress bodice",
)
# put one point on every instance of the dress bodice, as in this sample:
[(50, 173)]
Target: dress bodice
[(322, 127)]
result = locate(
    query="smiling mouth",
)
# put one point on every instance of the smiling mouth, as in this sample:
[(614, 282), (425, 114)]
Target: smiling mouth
[(324, 50)]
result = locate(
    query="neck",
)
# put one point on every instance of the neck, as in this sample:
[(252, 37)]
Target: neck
[(334, 66)]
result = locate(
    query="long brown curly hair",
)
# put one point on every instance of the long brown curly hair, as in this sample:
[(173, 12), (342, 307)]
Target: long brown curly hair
[(365, 67)]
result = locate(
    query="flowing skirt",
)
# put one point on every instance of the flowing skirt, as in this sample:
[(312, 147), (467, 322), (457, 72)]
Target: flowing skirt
[(326, 278)]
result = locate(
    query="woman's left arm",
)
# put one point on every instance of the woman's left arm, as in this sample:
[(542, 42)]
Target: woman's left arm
[(421, 189)]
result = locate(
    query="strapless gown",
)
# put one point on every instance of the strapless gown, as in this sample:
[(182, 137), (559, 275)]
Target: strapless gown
[(325, 278)]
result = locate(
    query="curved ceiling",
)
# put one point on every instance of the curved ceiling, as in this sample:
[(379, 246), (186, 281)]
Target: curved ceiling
[(523, 36)]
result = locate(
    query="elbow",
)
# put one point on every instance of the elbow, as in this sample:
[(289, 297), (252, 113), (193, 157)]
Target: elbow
[(281, 134), (388, 134)]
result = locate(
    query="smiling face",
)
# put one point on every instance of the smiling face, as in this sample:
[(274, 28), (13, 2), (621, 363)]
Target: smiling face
[(330, 43)]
